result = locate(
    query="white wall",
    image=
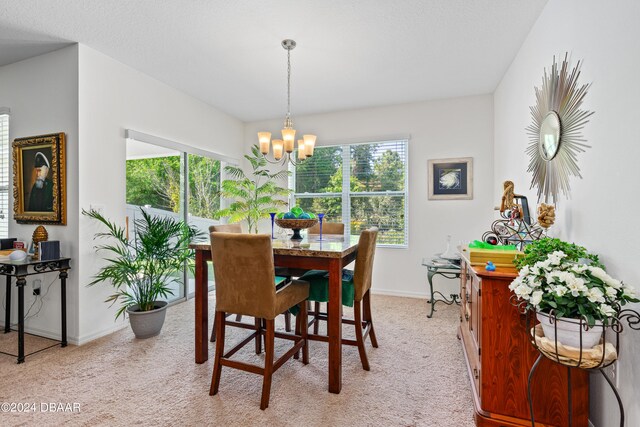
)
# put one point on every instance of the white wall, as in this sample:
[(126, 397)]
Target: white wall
[(461, 127), (93, 99), (601, 212), (114, 97), (42, 93)]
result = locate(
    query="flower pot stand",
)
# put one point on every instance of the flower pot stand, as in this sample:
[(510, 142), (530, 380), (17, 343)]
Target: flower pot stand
[(594, 359)]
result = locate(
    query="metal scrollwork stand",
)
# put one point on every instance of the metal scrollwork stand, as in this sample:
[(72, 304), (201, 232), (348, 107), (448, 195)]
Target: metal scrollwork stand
[(557, 353)]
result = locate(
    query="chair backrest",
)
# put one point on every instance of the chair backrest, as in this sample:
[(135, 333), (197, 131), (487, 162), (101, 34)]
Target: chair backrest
[(364, 262), (244, 273), (327, 228), (226, 228)]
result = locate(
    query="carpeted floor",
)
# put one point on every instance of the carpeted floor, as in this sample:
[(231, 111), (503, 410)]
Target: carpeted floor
[(417, 378)]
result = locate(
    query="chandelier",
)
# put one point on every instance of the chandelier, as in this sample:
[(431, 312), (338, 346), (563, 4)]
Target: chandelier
[(283, 148)]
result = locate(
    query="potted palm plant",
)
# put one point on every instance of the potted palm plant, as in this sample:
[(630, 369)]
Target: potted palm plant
[(253, 197), (142, 269)]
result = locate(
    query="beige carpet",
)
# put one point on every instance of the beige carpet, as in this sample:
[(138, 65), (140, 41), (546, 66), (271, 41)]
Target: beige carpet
[(32, 343), (417, 378)]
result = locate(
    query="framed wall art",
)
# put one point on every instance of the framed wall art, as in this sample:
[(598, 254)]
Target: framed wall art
[(39, 179), (450, 179)]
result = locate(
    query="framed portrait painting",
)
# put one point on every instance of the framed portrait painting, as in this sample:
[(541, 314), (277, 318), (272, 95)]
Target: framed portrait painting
[(450, 179), (39, 179)]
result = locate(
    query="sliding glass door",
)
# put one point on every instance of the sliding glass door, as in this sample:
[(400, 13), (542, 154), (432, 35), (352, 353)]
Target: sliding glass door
[(203, 200), (167, 182)]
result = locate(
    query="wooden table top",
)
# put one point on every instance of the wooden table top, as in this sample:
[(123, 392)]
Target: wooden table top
[(331, 246)]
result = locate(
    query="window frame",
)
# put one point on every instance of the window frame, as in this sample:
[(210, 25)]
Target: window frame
[(347, 194)]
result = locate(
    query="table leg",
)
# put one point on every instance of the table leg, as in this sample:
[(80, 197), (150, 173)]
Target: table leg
[(202, 307), (63, 302), (21, 282), (334, 325), (430, 275), (7, 313)]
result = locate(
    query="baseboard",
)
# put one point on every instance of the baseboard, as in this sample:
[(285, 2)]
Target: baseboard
[(99, 334), (405, 294), (74, 340)]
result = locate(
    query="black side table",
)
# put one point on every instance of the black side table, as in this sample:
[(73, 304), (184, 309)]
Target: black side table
[(445, 269), (20, 270)]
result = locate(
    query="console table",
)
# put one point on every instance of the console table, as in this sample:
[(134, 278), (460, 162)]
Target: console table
[(438, 267), (20, 270)]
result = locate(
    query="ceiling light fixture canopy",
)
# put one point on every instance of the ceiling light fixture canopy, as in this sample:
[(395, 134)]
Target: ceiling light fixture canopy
[(283, 148)]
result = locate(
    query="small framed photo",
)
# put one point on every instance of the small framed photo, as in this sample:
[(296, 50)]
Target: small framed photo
[(39, 180), (450, 179)]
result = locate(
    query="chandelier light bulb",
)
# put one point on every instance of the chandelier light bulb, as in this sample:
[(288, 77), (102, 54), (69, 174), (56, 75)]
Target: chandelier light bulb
[(264, 138), (289, 137), (302, 153), (278, 145), (309, 144)]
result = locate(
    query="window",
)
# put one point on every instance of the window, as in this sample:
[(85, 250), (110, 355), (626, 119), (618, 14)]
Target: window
[(174, 180), (4, 173), (361, 185)]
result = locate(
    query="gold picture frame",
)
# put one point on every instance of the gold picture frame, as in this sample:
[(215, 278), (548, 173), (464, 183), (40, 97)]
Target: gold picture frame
[(39, 179)]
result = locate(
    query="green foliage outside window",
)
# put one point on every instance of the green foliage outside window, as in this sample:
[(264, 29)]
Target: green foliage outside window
[(156, 182), (377, 167)]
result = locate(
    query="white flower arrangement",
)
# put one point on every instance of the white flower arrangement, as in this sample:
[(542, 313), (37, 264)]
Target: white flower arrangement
[(571, 289)]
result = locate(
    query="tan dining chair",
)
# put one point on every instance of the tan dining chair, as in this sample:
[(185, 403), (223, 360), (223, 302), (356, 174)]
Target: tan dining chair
[(244, 284), (355, 292), (226, 228), (237, 228), (327, 228)]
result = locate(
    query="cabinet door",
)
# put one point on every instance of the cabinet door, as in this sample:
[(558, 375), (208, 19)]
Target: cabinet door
[(475, 327), (475, 293), (464, 276)]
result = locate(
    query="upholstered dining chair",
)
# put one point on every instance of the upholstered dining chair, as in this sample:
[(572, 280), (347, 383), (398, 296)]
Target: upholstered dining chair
[(244, 275), (226, 228), (237, 228), (327, 228), (355, 292)]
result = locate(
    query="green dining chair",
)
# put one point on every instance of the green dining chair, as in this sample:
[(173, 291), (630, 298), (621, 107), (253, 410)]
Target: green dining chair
[(355, 293)]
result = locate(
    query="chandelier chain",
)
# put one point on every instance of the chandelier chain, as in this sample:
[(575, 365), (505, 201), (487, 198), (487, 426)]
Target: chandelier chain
[(288, 83)]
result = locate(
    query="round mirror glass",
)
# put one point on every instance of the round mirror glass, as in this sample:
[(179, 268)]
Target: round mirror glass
[(550, 135)]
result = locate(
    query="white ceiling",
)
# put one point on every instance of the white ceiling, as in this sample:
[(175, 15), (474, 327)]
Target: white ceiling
[(350, 53)]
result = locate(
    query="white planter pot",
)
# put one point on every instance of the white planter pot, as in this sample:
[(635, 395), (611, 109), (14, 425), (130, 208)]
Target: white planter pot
[(569, 331)]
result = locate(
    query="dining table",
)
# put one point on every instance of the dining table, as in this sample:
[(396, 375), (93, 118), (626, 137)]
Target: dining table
[(314, 252)]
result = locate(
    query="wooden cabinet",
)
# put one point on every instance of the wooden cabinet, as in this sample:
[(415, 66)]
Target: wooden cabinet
[(499, 357)]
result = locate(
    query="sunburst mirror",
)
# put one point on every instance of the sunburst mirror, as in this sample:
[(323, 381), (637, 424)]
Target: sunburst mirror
[(555, 132)]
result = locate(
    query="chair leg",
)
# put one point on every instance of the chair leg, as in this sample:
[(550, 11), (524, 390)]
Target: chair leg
[(304, 331), (316, 323), (287, 321), (238, 317), (357, 307), (269, 343), (366, 302), (217, 366), (258, 324), (213, 332)]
